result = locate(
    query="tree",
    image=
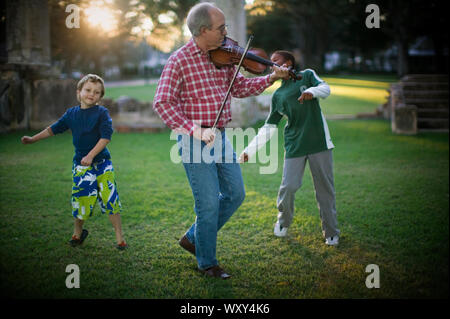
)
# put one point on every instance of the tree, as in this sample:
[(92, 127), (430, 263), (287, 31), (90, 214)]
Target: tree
[(83, 48), (316, 27), (270, 29), (168, 32), (87, 47), (309, 26), (405, 21)]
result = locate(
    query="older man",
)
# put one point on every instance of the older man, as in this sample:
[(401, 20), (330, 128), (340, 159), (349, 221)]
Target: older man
[(189, 95)]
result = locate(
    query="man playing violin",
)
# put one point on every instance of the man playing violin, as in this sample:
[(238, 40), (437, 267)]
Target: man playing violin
[(188, 97)]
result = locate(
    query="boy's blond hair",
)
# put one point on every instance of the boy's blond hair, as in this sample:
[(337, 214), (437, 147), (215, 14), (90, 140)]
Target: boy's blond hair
[(90, 78)]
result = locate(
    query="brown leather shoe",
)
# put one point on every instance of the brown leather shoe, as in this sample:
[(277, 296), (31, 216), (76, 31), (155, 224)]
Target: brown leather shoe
[(216, 272), (186, 244)]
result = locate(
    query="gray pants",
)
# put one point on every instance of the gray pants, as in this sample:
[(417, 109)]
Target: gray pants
[(321, 165)]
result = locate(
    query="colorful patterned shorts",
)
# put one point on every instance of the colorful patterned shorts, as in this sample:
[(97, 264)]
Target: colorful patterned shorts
[(91, 183)]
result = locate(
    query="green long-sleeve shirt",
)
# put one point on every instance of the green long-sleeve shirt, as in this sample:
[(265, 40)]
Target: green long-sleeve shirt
[(306, 131)]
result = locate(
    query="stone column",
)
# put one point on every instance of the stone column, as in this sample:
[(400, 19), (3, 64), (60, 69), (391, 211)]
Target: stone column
[(403, 116), (28, 60), (28, 32)]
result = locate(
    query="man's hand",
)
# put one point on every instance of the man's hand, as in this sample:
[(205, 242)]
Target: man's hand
[(27, 140), (281, 72), (306, 96), (243, 157), (206, 135), (86, 161)]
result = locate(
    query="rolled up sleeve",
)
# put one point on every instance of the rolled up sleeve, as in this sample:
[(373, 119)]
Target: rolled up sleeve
[(167, 102), (61, 125), (244, 87)]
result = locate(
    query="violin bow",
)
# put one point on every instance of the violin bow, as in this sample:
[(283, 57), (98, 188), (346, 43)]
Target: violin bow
[(231, 84)]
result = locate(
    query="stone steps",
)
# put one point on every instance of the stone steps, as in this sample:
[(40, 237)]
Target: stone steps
[(431, 124), (433, 113), (425, 86), (437, 130), (425, 78), (424, 103), (430, 94), (426, 94), (420, 103)]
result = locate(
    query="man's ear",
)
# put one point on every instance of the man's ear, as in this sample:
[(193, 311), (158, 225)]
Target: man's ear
[(202, 30)]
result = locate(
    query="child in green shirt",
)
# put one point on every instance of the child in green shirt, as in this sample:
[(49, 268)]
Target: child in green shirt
[(306, 139)]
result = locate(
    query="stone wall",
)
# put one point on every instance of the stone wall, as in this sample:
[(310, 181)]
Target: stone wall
[(28, 32), (50, 99), (12, 107), (33, 104), (131, 115)]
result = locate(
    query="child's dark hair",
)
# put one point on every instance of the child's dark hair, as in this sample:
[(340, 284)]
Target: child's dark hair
[(287, 56)]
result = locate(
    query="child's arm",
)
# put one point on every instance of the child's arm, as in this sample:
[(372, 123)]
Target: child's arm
[(322, 91), (318, 89), (40, 136), (58, 127), (265, 133), (101, 144)]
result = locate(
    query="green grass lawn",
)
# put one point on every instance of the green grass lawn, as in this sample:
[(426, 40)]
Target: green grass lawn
[(350, 95), (144, 93), (392, 196)]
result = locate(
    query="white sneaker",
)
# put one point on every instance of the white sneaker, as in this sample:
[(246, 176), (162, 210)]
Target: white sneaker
[(279, 231), (332, 241)]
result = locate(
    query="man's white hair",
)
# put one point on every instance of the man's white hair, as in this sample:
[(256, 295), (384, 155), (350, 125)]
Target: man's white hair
[(199, 17)]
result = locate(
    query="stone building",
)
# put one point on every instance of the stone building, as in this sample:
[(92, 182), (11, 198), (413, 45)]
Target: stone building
[(31, 95)]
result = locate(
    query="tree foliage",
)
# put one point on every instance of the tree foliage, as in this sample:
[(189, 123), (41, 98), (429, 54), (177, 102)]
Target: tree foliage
[(315, 27), (91, 49), (310, 28)]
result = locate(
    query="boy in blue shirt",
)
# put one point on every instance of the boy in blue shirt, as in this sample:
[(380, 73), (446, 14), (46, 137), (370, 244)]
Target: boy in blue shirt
[(92, 171)]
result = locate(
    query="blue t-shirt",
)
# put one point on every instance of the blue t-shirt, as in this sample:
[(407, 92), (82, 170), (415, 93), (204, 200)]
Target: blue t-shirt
[(88, 126)]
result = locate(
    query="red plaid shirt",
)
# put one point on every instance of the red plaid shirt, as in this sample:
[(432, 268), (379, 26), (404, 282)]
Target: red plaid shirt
[(191, 90)]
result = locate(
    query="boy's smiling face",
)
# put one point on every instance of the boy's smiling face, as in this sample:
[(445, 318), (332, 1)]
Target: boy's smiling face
[(90, 94)]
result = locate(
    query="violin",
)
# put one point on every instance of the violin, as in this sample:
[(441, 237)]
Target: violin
[(255, 61)]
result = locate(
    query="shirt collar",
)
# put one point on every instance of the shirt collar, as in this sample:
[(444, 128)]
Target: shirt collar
[(193, 48)]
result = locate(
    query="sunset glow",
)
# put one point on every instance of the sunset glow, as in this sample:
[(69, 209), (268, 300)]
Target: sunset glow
[(101, 17)]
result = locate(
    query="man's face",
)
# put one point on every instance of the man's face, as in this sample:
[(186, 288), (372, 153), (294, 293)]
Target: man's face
[(214, 36)]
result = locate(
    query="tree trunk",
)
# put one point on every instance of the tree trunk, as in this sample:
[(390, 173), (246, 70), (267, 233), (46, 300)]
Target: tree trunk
[(402, 61)]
